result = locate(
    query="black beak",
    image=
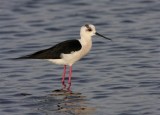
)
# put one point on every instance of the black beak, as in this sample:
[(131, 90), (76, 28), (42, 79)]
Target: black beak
[(102, 36)]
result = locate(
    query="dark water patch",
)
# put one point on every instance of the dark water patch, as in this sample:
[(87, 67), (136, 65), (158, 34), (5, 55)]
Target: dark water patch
[(47, 82), (41, 88), (6, 101), (86, 80), (22, 10), (39, 24), (156, 8), (30, 105), (133, 113), (146, 1), (35, 98), (100, 96), (35, 21), (99, 43), (52, 29), (8, 32), (156, 92), (34, 113), (3, 66), (31, 4), (150, 39), (9, 26), (148, 83), (106, 85), (23, 80), (91, 17), (7, 38), (155, 51), (10, 51), (24, 34), (30, 46), (79, 3), (83, 81), (102, 24), (21, 94), (14, 76), (120, 87), (132, 75), (142, 65), (10, 110), (128, 21), (46, 77), (7, 18)]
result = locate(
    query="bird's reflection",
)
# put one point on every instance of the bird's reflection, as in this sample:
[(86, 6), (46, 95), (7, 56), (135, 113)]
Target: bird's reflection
[(68, 102)]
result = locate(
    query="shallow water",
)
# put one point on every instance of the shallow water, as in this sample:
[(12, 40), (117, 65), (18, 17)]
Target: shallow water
[(121, 77)]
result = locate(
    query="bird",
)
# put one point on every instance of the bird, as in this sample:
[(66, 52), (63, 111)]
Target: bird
[(68, 52)]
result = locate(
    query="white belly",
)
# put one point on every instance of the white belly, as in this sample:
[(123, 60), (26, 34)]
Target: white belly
[(69, 59)]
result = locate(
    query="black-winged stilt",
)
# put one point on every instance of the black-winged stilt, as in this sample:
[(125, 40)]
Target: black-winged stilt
[(68, 52)]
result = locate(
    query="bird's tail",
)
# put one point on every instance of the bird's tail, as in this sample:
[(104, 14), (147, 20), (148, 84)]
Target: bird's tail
[(23, 57)]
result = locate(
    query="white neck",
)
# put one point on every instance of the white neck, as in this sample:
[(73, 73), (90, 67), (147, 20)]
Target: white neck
[(86, 39)]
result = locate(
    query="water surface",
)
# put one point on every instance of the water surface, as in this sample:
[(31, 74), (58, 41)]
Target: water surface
[(121, 77)]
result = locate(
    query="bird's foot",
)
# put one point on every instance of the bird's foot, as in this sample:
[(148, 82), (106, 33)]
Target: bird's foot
[(69, 87), (63, 85)]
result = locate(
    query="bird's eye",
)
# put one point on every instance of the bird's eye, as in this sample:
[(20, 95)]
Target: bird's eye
[(89, 29)]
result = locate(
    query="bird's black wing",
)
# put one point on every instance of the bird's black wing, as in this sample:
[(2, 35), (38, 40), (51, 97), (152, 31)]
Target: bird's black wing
[(55, 52)]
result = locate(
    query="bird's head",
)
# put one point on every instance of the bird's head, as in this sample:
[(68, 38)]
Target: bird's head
[(89, 30)]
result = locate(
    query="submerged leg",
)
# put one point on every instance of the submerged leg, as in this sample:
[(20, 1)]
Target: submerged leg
[(63, 76)]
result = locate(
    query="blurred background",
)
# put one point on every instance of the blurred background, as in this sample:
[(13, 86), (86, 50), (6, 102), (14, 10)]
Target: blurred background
[(121, 77)]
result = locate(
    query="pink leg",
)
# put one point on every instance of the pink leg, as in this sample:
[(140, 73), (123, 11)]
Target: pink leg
[(69, 79), (63, 76), (70, 75)]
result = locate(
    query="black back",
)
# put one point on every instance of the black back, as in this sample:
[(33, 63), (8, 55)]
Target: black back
[(55, 52)]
